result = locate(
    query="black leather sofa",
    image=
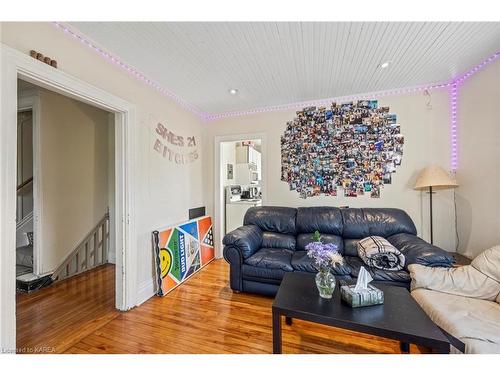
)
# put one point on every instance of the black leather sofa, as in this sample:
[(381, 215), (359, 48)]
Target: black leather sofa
[(272, 241)]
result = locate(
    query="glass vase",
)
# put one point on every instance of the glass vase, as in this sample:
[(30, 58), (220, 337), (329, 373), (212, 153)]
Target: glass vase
[(325, 282)]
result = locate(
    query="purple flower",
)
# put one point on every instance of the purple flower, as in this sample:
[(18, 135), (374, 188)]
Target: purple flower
[(324, 255)]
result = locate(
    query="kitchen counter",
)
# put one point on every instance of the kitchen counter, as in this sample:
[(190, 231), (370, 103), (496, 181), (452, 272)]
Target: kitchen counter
[(248, 201)]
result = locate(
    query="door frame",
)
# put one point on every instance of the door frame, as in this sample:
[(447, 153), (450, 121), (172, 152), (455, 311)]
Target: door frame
[(14, 65), (219, 200)]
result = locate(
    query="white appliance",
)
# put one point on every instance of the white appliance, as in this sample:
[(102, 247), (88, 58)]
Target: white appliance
[(237, 207)]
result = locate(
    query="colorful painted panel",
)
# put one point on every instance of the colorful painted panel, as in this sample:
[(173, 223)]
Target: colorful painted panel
[(353, 146), (181, 251)]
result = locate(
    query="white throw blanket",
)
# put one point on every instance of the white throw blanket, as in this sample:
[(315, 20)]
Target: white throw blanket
[(377, 252)]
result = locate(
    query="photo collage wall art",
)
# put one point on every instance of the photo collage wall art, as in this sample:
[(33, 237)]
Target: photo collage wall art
[(354, 146)]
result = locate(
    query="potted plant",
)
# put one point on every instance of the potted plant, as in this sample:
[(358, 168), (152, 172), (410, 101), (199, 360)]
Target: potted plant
[(325, 257)]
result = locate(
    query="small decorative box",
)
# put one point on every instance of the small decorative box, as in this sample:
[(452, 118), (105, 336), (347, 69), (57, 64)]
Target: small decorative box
[(370, 297)]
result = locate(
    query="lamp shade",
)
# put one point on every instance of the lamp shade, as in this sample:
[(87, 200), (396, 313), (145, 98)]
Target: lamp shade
[(436, 177)]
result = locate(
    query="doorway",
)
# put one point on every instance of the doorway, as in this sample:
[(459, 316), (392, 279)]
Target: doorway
[(71, 144), (74, 183), (14, 66), (240, 166)]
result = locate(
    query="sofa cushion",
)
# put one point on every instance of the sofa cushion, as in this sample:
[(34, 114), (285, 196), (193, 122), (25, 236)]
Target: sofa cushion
[(301, 262), (305, 238), (278, 240), (326, 220), (383, 222), (355, 263), (271, 258), (473, 321), (261, 274), (272, 219)]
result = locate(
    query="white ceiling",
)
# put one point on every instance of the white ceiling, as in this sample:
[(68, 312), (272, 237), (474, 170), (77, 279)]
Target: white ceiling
[(273, 63)]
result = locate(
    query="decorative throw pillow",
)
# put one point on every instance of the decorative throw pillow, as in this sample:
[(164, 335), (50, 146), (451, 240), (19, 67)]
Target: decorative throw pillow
[(377, 252)]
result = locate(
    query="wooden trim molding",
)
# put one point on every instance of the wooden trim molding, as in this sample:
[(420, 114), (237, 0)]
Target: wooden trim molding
[(219, 208)]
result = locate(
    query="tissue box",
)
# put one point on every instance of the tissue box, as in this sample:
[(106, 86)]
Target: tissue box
[(371, 296)]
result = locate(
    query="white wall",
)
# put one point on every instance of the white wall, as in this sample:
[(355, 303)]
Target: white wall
[(427, 138), (478, 194), (74, 161), (165, 190)]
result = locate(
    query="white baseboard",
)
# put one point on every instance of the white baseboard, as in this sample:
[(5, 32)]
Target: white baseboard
[(146, 291)]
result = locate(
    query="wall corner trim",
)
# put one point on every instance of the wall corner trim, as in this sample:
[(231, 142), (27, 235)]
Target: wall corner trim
[(145, 291)]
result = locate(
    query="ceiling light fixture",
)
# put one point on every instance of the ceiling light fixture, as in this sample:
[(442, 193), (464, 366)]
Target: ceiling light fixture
[(233, 91), (385, 64)]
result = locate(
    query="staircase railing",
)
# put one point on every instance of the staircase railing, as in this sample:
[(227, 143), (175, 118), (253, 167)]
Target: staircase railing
[(24, 184), (21, 190), (24, 220), (90, 253)]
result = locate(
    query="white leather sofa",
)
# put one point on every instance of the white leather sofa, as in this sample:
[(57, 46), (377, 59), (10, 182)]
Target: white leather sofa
[(463, 301)]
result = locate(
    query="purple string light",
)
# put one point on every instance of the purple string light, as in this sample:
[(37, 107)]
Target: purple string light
[(452, 85), (132, 71), (453, 116), (321, 102)]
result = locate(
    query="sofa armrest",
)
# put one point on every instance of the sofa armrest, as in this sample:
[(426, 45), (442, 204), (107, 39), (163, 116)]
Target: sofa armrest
[(246, 239), (463, 281), (418, 251)]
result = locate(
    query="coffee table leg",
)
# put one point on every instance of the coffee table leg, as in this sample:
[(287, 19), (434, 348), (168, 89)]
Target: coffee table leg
[(288, 321), (404, 347), (276, 332)]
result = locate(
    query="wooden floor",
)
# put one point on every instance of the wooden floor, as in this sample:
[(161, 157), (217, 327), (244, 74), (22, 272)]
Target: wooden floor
[(201, 316)]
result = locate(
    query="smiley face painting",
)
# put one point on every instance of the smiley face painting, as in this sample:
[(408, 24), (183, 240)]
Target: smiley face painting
[(182, 250)]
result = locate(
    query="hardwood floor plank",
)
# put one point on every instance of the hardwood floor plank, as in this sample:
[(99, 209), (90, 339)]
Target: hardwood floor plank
[(201, 316), (62, 314)]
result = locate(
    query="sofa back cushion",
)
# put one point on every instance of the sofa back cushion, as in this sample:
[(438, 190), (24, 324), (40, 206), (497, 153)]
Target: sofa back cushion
[(326, 220), (351, 246), (488, 263), (272, 219), (304, 238), (384, 222)]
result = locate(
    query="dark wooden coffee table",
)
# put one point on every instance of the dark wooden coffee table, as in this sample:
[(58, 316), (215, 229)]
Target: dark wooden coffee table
[(399, 318)]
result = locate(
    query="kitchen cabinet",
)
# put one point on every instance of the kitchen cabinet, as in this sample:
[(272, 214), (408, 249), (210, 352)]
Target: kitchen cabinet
[(247, 155)]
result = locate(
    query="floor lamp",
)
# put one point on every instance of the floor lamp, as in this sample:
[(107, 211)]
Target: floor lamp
[(433, 178)]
